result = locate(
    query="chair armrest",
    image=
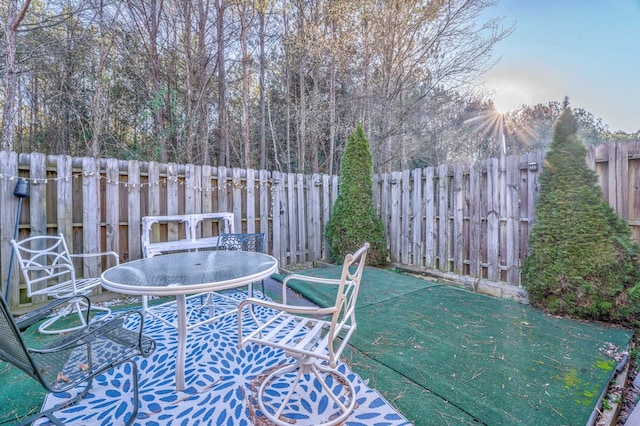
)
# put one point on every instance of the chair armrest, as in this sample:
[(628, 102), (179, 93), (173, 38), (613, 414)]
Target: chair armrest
[(49, 267), (113, 254), (292, 309), (27, 320), (305, 278)]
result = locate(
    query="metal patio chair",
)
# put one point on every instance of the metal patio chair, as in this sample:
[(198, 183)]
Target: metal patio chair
[(73, 359), (48, 270), (313, 342), (243, 242)]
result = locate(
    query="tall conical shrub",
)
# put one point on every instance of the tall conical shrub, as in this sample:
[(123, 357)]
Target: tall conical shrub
[(354, 219), (582, 261)]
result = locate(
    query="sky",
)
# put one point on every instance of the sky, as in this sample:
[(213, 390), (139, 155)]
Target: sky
[(588, 50)]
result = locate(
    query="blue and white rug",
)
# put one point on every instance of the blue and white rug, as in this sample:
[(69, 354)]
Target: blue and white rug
[(220, 383)]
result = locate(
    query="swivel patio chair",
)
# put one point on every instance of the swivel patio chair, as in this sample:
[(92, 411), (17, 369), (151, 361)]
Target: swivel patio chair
[(74, 359), (48, 270), (313, 342)]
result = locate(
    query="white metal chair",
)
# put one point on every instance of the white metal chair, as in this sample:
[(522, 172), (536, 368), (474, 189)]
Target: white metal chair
[(48, 270), (314, 342)]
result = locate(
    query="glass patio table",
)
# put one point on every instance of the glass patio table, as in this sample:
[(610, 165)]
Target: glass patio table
[(182, 274)]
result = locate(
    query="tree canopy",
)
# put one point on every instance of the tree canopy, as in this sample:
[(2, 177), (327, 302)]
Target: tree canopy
[(267, 84)]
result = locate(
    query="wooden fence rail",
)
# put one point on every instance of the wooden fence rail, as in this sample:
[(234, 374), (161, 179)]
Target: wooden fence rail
[(468, 220)]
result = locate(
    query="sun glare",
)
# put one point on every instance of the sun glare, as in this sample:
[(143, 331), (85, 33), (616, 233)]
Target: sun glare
[(510, 98), (499, 127)]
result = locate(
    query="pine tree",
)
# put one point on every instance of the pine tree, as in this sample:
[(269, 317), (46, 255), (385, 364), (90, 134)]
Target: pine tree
[(354, 219), (582, 261)]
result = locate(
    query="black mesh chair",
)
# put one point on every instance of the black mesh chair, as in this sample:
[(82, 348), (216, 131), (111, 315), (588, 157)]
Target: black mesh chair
[(73, 359), (243, 242)]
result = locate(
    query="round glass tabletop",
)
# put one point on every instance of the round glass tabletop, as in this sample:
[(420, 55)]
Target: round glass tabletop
[(184, 273)]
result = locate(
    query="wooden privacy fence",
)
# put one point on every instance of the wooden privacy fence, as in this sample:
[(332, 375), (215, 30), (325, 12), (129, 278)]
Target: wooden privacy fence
[(468, 220)]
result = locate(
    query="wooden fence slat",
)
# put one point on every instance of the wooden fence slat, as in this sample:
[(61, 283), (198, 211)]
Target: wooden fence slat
[(192, 203), (395, 211), (383, 190), (622, 189), (236, 198), (173, 208), (512, 220), (416, 218), (250, 212), (326, 212), (38, 204), (264, 189), (64, 195), (405, 216), (475, 221), (8, 212), (91, 234), (458, 218), (315, 225), (112, 203), (292, 219), (279, 222), (493, 218), (430, 214), (134, 218), (207, 196), (443, 218), (301, 210), (222, 198)]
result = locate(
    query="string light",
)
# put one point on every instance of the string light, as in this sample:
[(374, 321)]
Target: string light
[(273, 185)]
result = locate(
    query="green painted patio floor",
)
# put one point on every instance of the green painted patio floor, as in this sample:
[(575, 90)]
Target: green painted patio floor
[(444, 355)]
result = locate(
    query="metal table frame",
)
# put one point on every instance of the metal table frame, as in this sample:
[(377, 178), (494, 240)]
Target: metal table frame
[(195, 278)]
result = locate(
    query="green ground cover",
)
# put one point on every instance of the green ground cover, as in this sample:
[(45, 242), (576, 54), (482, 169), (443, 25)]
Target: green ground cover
[(445, 356), (492, 360)]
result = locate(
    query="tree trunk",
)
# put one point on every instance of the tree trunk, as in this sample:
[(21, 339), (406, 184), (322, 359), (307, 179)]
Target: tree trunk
[(9, 111), (263, 137), (246, 145), (223, 153)]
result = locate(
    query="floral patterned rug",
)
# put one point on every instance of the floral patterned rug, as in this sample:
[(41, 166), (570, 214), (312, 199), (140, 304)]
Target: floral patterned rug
[(220, 383)]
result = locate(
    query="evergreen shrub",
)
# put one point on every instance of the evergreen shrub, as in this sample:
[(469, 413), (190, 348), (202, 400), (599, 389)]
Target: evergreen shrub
[(582, 260), (354, 219)]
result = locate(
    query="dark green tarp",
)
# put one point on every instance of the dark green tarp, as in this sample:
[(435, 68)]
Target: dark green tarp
[(462, 355)]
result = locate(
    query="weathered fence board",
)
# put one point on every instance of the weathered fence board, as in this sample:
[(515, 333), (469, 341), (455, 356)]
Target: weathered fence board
[(469, 220), (8, 212)]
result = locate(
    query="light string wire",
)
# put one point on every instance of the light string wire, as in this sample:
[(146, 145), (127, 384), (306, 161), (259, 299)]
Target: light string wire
[(273, 185)]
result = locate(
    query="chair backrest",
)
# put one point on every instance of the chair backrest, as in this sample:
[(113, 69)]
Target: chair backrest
[(241, 242), (344, 316), (44, 260), (12, 348)]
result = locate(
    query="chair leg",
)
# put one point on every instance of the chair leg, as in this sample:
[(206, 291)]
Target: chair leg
[(49, 413), (77, 307), (344, 399)]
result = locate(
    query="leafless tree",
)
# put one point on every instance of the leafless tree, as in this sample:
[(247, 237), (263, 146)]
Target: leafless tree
[(16, 12)]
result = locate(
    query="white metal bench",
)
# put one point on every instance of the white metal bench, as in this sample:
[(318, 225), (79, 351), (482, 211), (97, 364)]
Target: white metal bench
[(197, 227)]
